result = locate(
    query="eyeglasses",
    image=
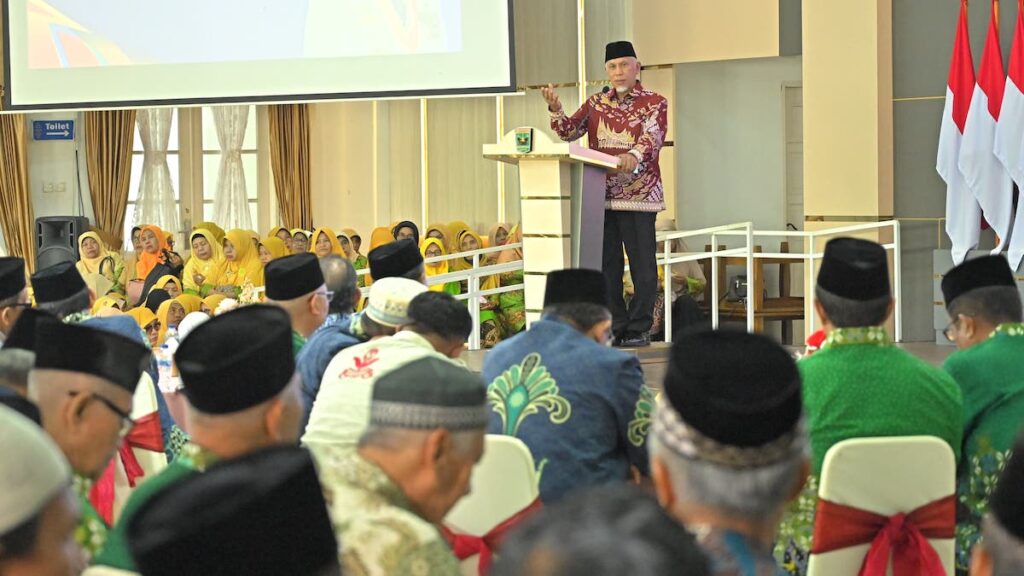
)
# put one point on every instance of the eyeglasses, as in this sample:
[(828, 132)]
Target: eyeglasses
[(154, 327), (328, 294), (127, 422), (19, 305)]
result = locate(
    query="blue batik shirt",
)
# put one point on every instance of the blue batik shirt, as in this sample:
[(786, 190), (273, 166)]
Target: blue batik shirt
[(333, 336)]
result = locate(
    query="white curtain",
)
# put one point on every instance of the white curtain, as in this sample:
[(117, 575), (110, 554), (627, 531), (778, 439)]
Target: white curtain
[(231, 203), (155, 203)]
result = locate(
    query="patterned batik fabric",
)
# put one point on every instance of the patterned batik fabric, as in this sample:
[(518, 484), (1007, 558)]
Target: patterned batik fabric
[(733, 554), (378, 532), (991, 377), (581, 408), (91, 532), (635, 123)]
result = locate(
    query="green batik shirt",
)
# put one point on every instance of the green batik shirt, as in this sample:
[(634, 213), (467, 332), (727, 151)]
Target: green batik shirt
[(91, 533), (991, 378), (378, 532), (191, 460), (858, 385), (298, 341)]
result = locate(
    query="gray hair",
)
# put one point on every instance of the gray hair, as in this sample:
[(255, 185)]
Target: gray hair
[(754, 493), (393, 439), (15, 366), (340, 277), (994, 304), (78, 302), (1006, 550), (848, 313)]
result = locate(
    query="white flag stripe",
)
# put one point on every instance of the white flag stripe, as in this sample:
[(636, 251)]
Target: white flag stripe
[(984, 174), (963, 214)]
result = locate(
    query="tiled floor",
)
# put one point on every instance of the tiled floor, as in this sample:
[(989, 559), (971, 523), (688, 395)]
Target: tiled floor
[(654, 360)]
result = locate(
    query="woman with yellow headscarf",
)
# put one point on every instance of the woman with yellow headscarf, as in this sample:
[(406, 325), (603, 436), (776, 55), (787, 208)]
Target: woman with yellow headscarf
[(441, 232), (169, 283), (359, 262), (324, 243), (213, 228), (149, 324), (96, 259), (432, 248), (512, 304), (455, 230), (300, 241), (271, 248), (210, 303), (490, 327), (203, 270), (281, 233), (243, 263)]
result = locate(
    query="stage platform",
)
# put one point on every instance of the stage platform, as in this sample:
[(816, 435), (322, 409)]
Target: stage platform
[(654, 358)]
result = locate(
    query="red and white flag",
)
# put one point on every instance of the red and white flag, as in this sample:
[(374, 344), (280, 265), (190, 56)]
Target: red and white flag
[(983, 172), (1009, 144), (963, 213)]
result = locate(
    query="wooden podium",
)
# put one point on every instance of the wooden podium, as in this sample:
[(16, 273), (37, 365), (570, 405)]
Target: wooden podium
[(562, 191)]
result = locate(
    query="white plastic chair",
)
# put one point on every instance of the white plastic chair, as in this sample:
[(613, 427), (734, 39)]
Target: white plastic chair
[(503, 483), (885, 476)]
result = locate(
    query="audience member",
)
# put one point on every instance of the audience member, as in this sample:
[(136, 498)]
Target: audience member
[(1000, 552), (325, 242), (243, 395), (282, 234), (16, 361), (96, 261), (406, 230), (603, 531), (271, 248), (60, 290), (156, 298), (149, 324), (83, 382), (170, 284), (580, 406), (339, 412), (203, 270), (243, 265), (156, 255), (985, 323), (261, 514), (296, 284), (358, 259), (413, 464), (13, 294), (433, 248), (300, 241), (399, 259), (441, 232), (497, 235), (490, 326), (512, 305), (729, 447), (213, 228), (38, 512)]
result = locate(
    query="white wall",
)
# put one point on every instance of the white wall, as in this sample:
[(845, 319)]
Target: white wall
[(53, 162), (730, 141)]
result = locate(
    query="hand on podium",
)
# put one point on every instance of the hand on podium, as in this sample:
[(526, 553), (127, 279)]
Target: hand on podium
[(551, 97), (627, 163)]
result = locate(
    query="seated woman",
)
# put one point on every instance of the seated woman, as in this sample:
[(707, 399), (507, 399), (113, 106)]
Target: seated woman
[(149, 323), (155, 252), (210, 303), (213, 228), (243, 268), (490, 328), (497, 235), (512, 304), (406, 230), (455, 230), (156, 298), (359, 260), (432, 248), (202, 271), (325, 243), (282, 234), (171, 284), (170, 314), (300, 241), (271, 248), (96, 259)]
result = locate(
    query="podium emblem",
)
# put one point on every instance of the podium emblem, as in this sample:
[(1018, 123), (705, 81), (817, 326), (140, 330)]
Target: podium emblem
[(524, 140)]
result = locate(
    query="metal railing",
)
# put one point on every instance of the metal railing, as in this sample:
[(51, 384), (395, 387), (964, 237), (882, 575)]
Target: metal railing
[(809, 255), (472, 277)]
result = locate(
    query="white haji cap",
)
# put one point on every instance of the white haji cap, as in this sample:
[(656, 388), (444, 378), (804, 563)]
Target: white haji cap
[(190, 323), (34, 470), (389, 300)]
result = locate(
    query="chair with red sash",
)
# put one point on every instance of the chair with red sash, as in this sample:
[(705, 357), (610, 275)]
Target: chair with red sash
[(886, 506), (140, 456), (505, 491)]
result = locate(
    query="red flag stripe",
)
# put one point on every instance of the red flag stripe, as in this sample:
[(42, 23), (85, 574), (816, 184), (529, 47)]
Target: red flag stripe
[(961, 71), (991, 75), (1016, 70)]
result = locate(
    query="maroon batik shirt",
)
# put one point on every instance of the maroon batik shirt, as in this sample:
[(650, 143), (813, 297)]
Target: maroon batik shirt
[(633, 123)]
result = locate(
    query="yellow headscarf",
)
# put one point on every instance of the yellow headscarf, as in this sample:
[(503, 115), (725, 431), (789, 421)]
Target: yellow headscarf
[(446, 234), (351, 234), (275, 246), (335, 245), (211, 268), (163, 282), (218, 232), (492, 234), (212, 301), (104, 302), (91, 265), (459, 264), (350, 254), (455, 229), (379, 237), (435, 268), (143, 317), (515, 236), (162, 312), (273, 231), (190, 302), (246, 267)]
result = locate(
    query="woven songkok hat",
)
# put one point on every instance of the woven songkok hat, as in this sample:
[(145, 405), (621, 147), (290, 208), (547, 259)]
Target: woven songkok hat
[(732, 399), (427, 394)]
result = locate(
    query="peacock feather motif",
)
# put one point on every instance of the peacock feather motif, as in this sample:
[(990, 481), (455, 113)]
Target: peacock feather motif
[(524, 389)]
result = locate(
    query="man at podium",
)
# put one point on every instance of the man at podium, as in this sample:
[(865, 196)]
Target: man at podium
[(628, 121)]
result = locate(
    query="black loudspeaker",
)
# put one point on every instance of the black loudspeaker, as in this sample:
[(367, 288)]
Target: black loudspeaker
[(57, 239)]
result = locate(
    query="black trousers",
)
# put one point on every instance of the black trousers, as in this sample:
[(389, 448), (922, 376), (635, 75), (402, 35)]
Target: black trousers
[(635, 231)]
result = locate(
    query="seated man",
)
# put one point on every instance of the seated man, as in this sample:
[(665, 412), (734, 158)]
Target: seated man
[(728, 446), (427, 422), (985, 323), (603, 531), (16, 361), (1001, 550), (296, 284), (13, 294), (243, 395), (580, 406), (432, 324), (83, 383), (38, 510), (858, 385), (260, 515), (61, 291), (392, 260)]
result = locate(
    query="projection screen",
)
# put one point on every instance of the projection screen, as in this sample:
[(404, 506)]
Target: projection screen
[(104, 53)]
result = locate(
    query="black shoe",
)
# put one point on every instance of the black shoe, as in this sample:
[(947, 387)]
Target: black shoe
[(633, 340)]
